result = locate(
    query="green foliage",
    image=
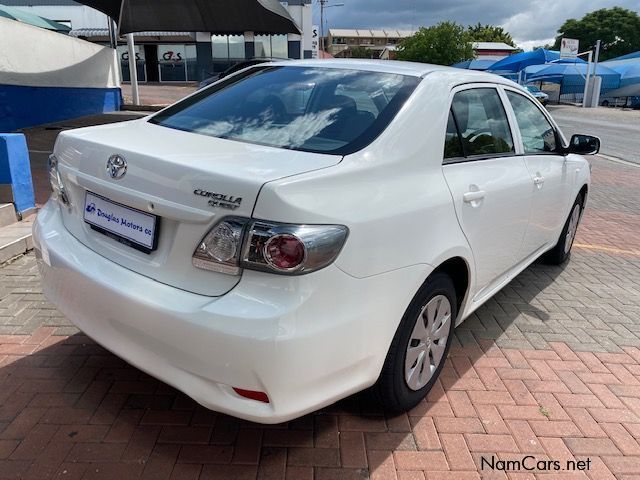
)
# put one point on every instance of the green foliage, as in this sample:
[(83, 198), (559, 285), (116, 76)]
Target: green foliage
[(443, 44), (489, 33), (358, 52), (618, 28)]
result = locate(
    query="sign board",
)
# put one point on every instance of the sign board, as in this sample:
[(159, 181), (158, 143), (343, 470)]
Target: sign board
[(171, 54), (569, 48), (123, 53), (315, 41)]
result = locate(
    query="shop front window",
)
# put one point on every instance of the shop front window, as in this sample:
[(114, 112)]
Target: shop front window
[(279, 46), (263, 46), (192, 63), (272, 46), (177, 63), (227, 50), (123, 57)]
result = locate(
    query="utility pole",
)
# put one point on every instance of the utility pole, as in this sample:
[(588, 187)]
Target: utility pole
[(325, 4), (322, 4)]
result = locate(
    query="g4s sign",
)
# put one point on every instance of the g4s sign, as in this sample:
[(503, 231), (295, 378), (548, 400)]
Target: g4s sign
[(172, 56)]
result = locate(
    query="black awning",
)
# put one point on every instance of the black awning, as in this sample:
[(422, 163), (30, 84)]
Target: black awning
[(216, 16)]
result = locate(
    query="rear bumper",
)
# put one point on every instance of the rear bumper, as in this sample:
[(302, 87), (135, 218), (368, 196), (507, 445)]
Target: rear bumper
[(306, 341)]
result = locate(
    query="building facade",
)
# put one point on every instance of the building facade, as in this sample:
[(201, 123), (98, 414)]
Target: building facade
[(339, 41), (493, 50), (182, 56)]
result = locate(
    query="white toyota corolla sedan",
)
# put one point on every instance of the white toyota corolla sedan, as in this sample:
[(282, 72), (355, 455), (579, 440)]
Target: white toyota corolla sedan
[(301, 231)]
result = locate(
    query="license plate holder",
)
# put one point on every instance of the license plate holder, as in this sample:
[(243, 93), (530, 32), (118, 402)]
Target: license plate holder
[(129, 226)]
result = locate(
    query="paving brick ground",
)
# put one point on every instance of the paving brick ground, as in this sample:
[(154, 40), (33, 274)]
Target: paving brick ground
[(549, 369)]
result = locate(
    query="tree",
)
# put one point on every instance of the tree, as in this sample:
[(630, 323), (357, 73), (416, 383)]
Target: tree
[(618, 28), (546, 46), (358, 52), (489, 33), (443, 44)]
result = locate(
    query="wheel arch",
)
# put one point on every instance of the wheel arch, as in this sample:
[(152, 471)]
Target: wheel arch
[(584, 192), (458, 270)]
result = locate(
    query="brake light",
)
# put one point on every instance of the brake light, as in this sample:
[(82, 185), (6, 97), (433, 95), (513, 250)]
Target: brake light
[(285, 252), (289, 249)]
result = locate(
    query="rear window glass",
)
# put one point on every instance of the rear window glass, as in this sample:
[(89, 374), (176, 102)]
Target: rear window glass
[(323, 110)]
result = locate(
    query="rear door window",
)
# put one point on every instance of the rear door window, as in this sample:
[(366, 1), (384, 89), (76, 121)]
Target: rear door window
[(482, 123)]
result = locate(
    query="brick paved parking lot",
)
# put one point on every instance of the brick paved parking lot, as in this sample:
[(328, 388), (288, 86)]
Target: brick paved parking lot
[(549, 368)]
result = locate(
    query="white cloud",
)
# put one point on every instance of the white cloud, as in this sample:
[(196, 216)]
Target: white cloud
[(531, 23)]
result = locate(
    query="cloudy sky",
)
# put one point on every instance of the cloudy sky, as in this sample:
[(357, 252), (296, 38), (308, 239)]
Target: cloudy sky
[(531, 23)]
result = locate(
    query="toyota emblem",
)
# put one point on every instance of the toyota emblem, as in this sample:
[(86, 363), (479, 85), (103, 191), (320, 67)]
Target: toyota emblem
[(116, 167)]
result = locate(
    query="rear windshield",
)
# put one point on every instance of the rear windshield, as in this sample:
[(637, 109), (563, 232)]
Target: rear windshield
[(322, 110)]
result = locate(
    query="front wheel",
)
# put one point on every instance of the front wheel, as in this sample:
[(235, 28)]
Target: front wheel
[(561, 252), (420, 345)]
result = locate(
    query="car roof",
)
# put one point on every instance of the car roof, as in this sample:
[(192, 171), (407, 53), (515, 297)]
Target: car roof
[(456, 76)]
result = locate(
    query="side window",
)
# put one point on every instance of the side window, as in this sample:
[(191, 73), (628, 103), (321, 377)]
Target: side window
[(538, 136), (482, 122), (452, 144)]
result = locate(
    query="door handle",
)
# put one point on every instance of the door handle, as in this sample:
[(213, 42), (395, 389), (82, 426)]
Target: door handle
[(471, 197), (539, 180)]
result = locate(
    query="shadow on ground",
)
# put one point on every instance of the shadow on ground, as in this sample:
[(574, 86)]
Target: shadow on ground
[(70, 409)]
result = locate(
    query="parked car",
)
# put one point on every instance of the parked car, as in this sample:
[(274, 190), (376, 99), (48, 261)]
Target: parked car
[(304, 230), (538, 94), (236, 68)]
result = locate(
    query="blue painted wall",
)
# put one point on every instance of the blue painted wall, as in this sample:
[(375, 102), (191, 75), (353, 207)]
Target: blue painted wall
[(15, 170), (22, 107)]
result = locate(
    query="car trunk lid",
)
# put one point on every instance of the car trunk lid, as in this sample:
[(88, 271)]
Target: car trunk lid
[(187, 181)]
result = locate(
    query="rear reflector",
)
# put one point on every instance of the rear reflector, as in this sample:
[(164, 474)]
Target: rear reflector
[(250, 394)]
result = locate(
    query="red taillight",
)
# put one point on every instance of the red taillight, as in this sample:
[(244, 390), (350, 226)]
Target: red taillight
[(284, 252), (252, 395), (288, 249)]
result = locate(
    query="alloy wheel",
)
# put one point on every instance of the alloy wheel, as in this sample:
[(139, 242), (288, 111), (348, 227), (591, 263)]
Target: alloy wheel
[(427, 342)]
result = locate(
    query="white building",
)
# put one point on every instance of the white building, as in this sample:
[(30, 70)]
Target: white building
[(182, 56)]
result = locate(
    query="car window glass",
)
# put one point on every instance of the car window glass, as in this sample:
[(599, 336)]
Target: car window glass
[(326, 110), (452, 145), (482, 122), (364, 100), (537, 133)]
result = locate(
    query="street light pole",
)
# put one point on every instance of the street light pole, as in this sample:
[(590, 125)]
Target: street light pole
[(323, 5)]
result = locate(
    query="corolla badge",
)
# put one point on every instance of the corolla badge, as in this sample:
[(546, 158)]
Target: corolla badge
[(116, 167), (221, 200)]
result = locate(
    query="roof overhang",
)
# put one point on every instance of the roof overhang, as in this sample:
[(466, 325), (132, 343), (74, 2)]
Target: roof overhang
[(216, 16)]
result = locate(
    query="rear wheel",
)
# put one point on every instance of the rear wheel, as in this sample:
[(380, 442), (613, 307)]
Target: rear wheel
[(561, 252), (420, 346)]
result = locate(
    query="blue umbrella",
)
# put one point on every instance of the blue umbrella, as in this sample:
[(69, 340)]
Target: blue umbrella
[(628, 56), (571, 77), (520, 61), (481, 64)]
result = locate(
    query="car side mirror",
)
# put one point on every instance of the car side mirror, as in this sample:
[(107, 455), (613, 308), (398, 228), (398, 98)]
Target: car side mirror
[(584, 145)]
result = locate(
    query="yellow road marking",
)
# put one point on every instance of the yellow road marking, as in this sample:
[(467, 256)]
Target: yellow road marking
[(606, 249)]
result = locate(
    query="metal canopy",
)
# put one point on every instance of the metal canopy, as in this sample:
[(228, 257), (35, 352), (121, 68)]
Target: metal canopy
[(216, 16)]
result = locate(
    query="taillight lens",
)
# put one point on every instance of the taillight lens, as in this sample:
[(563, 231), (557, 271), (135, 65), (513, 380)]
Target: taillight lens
[(285, 252), (281, 248), (55, 180), (220, 249)]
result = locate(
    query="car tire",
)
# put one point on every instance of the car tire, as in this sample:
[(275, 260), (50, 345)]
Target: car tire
[(605, 103), (561, 252), (403, 382)]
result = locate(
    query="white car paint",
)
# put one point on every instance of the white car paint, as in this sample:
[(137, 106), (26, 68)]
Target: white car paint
[(306, 340)]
